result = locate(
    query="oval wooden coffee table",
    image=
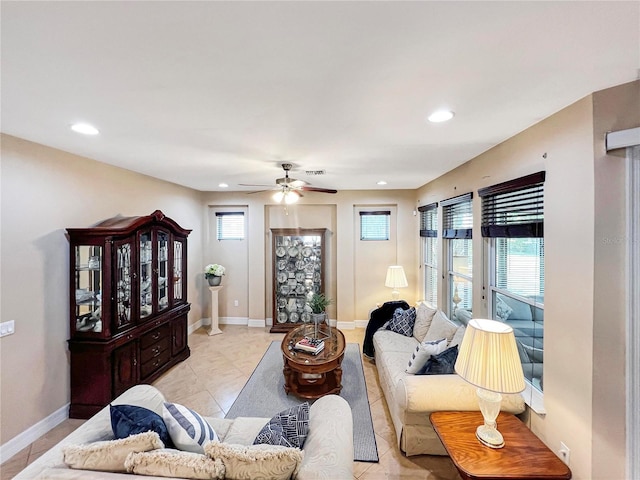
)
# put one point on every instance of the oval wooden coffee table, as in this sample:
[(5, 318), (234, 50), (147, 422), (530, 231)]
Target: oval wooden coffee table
[(312, 376)]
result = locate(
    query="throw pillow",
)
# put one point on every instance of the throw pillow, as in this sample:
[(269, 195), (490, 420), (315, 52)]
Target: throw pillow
[(422, 353), (251, 462), (128, 420), (459, 335), (174, 464), (441, 327), (441, 364), (402, 321), (189, 431), (109, 455), (502, 310), (288, 428), (424, 316)]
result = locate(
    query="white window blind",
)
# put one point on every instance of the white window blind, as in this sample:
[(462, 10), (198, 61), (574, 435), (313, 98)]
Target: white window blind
[(375, 225), (429, 234), (230, 225)]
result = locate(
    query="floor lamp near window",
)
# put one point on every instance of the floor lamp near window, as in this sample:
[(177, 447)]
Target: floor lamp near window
[(488, 358), (396, 279)]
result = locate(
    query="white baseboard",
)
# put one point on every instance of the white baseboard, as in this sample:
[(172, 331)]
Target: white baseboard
[(257, 323), (361, 323), (31, 434), (199, 324), (233, 321)]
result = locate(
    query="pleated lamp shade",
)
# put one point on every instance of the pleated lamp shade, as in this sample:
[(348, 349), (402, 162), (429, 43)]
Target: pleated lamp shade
[(488, 357), (396, 277)]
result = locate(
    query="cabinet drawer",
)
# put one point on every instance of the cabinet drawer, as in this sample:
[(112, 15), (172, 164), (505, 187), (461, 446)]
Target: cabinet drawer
[(155, 350), (152, 365), (153, 336)]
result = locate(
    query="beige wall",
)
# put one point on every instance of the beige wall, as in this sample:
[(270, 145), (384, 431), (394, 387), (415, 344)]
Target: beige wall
[(45, 191), (584, 378), (614, 109), (336, 213)]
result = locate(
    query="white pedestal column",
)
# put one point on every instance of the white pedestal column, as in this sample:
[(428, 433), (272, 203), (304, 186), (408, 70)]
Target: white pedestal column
[(215, 330)]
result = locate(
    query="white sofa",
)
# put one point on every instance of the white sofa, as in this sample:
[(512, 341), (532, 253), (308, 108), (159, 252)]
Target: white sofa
[(328, 449), (412, 398)]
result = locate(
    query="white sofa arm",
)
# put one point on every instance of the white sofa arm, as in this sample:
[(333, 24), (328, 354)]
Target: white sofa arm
[(433, 393), (328, 449)]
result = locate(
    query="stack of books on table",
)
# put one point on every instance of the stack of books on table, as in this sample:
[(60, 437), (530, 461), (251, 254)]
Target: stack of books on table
[(310, 345)]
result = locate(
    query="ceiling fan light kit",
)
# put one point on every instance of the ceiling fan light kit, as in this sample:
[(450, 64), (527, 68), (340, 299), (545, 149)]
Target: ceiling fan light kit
[(288, 189)]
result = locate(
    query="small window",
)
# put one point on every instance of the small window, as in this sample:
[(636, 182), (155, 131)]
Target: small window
[(230, 225), (375, 225)]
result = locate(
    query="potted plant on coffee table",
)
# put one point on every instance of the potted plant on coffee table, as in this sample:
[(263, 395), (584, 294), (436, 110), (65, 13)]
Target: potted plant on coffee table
[(318, 303)]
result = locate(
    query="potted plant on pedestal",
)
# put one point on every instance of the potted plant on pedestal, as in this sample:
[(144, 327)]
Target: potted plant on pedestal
[(213, 273)]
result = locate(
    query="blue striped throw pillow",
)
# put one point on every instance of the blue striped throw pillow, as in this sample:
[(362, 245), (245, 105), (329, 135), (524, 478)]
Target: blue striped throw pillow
[(188, 430)]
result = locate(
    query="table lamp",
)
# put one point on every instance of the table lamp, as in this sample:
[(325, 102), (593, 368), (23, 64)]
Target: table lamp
[(488, 358), (395, 279)]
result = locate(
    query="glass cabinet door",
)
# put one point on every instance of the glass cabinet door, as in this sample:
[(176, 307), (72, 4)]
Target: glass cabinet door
[(146, 274), (124, 275), (88, 288), (297, 262), (162, 270), (179, 251)]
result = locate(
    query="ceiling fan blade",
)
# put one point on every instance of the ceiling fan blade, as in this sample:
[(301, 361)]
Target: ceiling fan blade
[(258, 191), (308, 188)]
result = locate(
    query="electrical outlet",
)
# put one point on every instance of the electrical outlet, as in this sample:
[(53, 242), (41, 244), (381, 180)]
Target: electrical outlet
[(564, 453), (7, 328), (236, 303)]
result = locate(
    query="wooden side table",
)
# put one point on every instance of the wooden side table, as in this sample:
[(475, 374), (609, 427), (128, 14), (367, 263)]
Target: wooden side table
[(524, 456)]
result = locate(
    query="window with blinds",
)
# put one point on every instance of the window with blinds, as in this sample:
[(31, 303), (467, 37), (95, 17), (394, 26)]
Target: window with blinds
[(457, 230), (429, 235), (513, 220), (514, 209), (230, 225), (375, 225), (457, 217)]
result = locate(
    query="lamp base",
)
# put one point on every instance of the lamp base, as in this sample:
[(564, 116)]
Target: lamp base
[(395, 295), (489, 403), (489, 436)]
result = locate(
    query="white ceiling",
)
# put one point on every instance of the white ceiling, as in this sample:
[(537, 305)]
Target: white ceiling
[(199, 93)]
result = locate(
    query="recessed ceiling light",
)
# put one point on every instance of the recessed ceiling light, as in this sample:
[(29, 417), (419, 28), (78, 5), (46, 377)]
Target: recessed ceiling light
[(85, 129), (381, 182), (223, 185), (441, 116)]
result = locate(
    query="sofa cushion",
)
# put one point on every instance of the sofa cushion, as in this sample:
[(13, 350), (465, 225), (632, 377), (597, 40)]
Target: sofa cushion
[(458, 336), (424, 315), (441, 364), (520, 310), (188, 430), (243, 462), (129, 420), (402, 321), (109, 455), (502, 309), (441, 327), (288, 428), (392, 342), (174, 464), (422, 353)]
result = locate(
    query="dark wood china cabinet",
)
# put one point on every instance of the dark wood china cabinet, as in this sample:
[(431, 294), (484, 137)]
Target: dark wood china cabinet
[(128, 305)]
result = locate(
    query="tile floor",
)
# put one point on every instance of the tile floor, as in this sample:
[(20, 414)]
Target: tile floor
[(210, 380)]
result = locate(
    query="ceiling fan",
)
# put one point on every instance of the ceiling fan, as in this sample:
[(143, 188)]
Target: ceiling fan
[(289, 189)]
